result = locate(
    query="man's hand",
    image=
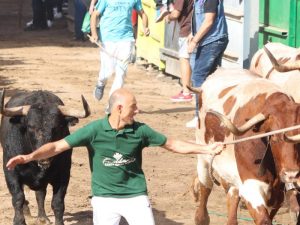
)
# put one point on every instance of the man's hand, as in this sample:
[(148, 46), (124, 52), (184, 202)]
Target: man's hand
[(13, 162), (146, 31), (93, 38), (190, 37), (192, 45), (167, 18), (216, 148)]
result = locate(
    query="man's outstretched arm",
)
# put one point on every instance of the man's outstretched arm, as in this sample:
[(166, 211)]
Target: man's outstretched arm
[(46, 151)]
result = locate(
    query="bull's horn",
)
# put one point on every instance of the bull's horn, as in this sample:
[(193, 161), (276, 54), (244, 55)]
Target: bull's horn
[(14, 111), (282, 67), (238, 130), (76, 113), (292, 139), (2, 93), (193, 89)]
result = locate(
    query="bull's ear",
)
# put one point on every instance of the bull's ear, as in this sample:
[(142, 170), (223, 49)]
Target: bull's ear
[(71, 120)]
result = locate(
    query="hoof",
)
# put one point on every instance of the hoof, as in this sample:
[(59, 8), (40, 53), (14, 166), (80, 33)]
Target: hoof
[(293, 202), (43, 221)]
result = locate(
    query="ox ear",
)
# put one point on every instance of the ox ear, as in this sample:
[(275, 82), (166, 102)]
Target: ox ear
[(72, 121)]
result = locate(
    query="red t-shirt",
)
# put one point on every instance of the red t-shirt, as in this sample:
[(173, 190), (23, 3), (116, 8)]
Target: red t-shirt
[(185, 19)]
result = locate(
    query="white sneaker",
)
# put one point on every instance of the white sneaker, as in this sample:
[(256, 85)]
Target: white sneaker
[(192, 123), (29, 23), (57, 15), (49, 23)]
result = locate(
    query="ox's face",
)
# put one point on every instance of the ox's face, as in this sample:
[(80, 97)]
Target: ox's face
[(286, 154), (286, 157)]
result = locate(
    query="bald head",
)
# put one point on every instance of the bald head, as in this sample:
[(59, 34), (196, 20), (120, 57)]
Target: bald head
[(123, 108), (120, 96)]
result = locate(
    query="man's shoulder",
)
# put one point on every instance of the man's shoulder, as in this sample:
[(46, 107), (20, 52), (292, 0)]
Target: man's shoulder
[(138, 125)]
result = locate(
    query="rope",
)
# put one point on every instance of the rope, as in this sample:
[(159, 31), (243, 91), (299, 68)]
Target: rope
[(262, 135)]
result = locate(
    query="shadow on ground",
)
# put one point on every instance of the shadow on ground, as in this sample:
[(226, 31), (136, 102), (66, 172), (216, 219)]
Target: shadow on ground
[(85, 218)]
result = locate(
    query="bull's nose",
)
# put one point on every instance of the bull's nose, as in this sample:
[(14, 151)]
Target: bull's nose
[(289, 175)]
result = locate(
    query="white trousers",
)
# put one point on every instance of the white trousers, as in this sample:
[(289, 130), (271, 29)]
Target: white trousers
[(114, 59), (136, 210)]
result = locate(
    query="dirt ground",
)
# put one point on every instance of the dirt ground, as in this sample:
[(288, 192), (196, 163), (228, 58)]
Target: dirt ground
[(51, 60)]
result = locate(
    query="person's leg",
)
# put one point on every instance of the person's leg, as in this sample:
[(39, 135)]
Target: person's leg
[(59, 5), (185, 72), (123, 52), (105, 211), (107, 65), (185, 68), (39, 16), (207, 59), (49, 12), (137, 210), (57, 9), (80, 10)]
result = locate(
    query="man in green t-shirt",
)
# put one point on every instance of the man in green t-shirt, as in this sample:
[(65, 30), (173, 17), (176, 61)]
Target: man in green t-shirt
[(115, 145)]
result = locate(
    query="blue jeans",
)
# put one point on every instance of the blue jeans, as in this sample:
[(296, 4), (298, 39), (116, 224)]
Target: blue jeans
[(205, 60), (80, 10)]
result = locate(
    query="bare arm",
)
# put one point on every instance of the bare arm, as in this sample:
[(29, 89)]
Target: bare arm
[(46, 151), (184, 147), (144, 18), (92, 4), (203, 30), (94, 34), (174, 15)]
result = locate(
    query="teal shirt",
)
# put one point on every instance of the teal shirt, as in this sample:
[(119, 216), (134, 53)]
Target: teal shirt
[(115, 19), (116, 156)]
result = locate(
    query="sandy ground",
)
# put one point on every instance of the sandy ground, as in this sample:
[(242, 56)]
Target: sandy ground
[(51, 60)]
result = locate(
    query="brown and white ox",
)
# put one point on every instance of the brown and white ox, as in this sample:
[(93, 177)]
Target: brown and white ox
[(255, 170), (281, 64)]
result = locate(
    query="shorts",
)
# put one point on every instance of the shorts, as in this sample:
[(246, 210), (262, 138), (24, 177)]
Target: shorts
[(183, 48)]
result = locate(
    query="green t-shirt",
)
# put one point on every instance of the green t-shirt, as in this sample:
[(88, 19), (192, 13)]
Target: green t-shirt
[(116, 156)]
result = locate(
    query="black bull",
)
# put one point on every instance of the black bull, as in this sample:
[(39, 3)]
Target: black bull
[(28, 121)]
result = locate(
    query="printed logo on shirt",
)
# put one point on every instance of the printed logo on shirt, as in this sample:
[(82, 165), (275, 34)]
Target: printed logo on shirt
[(118, 160)]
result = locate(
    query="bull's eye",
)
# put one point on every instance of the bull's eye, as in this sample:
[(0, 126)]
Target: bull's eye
[(30, 128)]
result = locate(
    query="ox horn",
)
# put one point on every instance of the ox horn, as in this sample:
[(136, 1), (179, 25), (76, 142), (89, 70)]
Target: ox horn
[(238, 130), (282, 67), (13, 111), (76, 113), (292, 139), (193, 89)]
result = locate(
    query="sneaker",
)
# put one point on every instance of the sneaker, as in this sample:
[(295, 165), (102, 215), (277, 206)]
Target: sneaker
[(98, 92), (32, 27), (29, 23), (192, 123), (161, 13), (49, 23), (58, 15), (181, 97)]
